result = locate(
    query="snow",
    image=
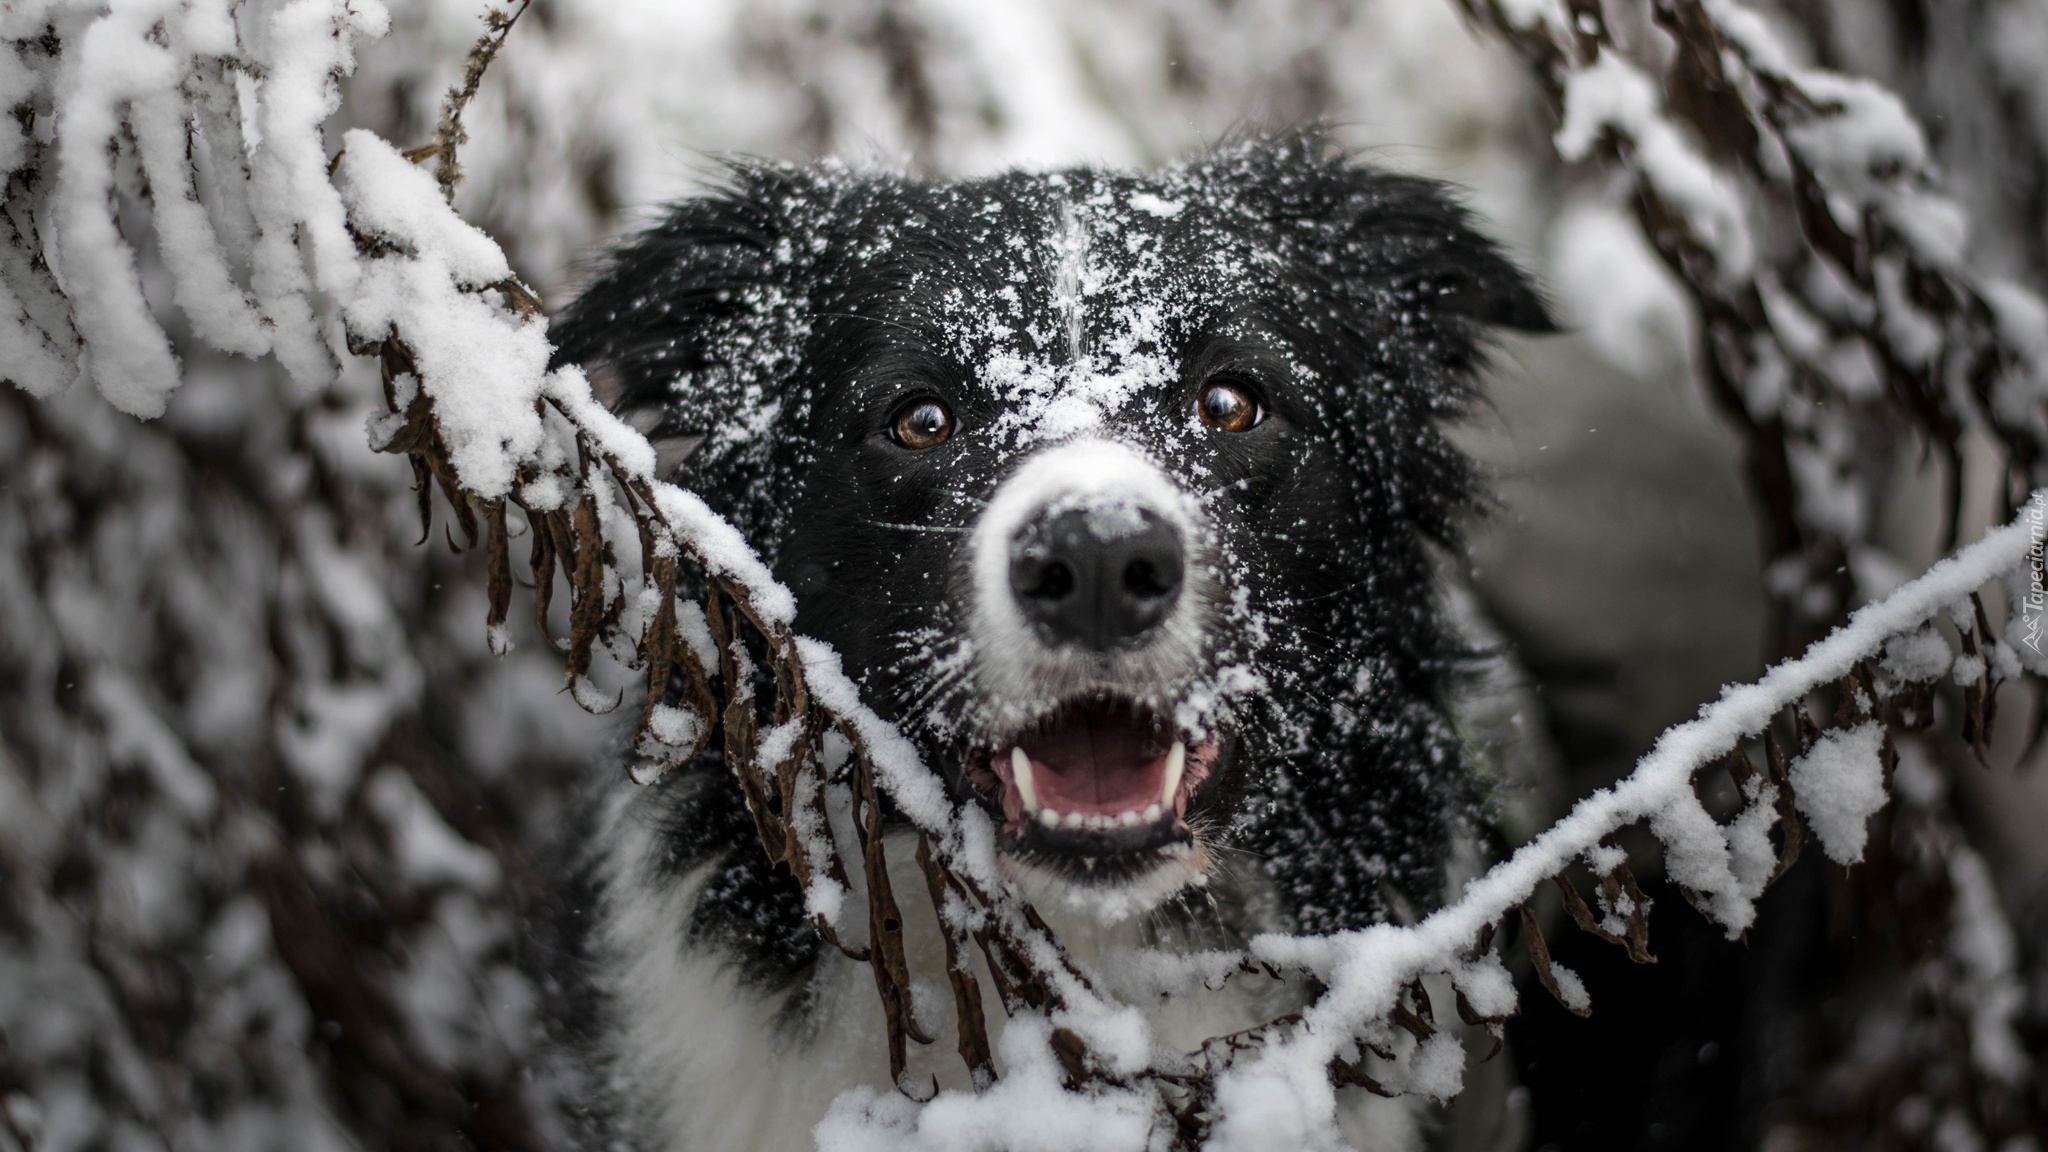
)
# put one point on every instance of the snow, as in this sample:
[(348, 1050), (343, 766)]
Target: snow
[(131, 358), (135, 732), (483, 368), (427, 850), (1613, 94), (1982, 941), (391, 198), (1028, 1110), (1839, 785), (1570, 989), (1615, 289)]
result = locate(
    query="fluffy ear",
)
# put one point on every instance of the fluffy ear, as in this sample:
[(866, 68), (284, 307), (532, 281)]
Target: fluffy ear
[(1389, 242), (700, 317), (1408, 236)]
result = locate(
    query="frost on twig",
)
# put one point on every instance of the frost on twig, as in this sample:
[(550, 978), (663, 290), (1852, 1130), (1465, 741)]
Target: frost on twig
[(449, 134)]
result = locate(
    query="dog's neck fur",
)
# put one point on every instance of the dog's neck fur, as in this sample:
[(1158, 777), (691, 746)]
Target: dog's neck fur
[(711, 1061)]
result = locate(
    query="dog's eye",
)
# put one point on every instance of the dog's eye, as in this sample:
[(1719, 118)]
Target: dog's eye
[(922, 424), (1228, 406)]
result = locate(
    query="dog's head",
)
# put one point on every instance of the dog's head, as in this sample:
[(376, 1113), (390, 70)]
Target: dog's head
[(1115, 492)]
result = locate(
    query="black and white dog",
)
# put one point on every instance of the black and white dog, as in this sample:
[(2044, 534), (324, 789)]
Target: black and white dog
[(1121, 495)]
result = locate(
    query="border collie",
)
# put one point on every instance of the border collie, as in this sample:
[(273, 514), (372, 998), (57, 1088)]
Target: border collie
[(1123, 495)]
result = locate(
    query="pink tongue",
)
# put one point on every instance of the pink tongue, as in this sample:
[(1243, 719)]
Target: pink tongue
[(1097, 764)]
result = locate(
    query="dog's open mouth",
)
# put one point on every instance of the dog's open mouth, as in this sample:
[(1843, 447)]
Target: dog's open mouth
[(1096, 780)]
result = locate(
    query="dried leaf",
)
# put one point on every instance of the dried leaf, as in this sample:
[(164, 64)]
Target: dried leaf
[(498, 566), (973, 1029), (1788, 812), (1539, 958)]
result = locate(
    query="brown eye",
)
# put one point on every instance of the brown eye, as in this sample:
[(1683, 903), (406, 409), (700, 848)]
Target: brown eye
[(922, 424), (1228, 406)]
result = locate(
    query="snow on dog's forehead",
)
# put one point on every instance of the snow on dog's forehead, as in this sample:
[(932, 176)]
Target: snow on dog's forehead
[(1074, 309)]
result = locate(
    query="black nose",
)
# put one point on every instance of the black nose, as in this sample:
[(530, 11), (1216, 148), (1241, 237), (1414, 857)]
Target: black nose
[(1096, 578)]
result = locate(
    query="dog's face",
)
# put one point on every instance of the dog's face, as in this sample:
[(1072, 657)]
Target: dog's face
[(1113, 491)]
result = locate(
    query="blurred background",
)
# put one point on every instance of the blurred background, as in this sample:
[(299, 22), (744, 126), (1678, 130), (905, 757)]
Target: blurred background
[(268, 808)]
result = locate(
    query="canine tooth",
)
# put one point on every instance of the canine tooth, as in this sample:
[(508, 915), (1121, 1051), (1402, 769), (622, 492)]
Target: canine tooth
[(1175, 761), (1128, 820), (1020, 771), (1048, 817), (1151, 813)]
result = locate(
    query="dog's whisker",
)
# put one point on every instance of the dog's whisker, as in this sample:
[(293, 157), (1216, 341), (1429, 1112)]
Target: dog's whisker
[(841, 591), (882, 320), (937, 528)]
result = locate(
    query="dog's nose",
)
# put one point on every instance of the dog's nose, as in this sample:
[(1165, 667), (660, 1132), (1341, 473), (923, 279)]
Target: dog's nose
[(1096, 578)]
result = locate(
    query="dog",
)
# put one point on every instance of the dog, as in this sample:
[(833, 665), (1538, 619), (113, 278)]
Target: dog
[(1124, 497)]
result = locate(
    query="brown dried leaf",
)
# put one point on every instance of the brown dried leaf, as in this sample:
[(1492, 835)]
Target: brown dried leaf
[(498, 566), (586, 587), (885, 927), (973, 1028), (1539, 957), (1344, 1073), (1788, 811)]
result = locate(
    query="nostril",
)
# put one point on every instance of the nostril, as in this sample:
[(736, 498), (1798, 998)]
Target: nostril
[(1143, 579), (1053, 580)]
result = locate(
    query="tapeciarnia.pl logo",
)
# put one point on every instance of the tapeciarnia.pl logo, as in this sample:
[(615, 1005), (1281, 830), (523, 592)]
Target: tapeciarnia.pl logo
[(2036, 599)]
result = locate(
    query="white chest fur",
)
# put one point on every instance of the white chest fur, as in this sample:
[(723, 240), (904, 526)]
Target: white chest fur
[(704, 1062)]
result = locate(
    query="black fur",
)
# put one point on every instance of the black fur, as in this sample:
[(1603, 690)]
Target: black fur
[(785, 318)]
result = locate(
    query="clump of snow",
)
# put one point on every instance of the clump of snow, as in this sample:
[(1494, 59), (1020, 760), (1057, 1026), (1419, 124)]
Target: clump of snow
[(1570, 989), (1613, 95), (1616, 290), (1028, 1110), (426, 848), (136, 733), (1981, 940), (1917, 657), (1839, 785), (483, 368)]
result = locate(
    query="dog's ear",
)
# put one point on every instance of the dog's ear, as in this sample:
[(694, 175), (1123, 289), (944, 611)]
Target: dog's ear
[(1406, 237), (1382, 242), (694, 327)]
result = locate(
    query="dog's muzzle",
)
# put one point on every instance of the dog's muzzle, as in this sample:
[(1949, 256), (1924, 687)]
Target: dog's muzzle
[(1092, 588)]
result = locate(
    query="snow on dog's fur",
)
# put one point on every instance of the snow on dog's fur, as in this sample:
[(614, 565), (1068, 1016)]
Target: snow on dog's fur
[(1117, 494)]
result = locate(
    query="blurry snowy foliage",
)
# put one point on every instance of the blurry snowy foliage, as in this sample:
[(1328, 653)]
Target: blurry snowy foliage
[(269, 806)]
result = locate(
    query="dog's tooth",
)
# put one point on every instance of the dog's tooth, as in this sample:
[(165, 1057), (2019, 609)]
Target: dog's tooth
[(1176, 760), (1127, 820), (1075, 820), (1151, 813), (1048, 817), (1020, 772)]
